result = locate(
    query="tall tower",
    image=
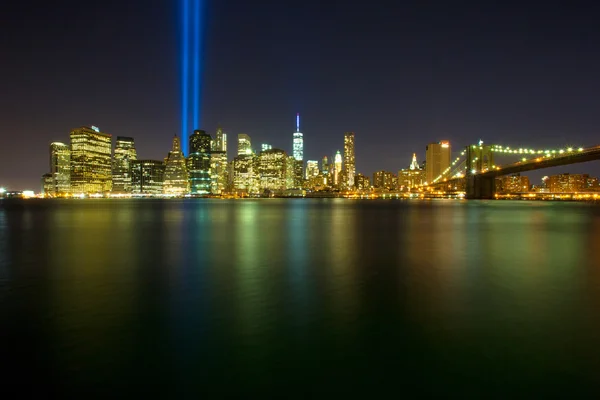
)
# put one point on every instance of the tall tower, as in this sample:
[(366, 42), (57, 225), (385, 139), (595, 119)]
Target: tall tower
[(244, 145), (437, 159), (60, 168), (349, 160), (198, 162), (414, 165), (91, 169), (298, 142), (176, 176), (121, 170), (337, 168), (220, 142)]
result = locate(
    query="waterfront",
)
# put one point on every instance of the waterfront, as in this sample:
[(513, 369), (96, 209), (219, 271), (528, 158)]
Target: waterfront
[(300, 297)]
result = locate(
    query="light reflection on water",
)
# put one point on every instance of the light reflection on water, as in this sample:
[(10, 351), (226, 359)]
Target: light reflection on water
[(262, 295)]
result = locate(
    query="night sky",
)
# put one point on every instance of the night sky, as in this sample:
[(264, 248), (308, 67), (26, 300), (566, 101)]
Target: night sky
[(399, 74)]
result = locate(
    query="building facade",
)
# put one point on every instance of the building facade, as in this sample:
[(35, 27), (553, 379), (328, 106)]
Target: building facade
[(121, 170), (437, 159), (411, 177), (567, 183), (337, 169), (147, 177), (512, 184), (199, 162), (176, 177), (272, 170), (349, 160), (60, 170), (312, 168), (362, 182), (384, 180), (91, 164), (244, 145)]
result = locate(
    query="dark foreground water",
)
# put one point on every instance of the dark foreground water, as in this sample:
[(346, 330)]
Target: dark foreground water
[(299, 298)]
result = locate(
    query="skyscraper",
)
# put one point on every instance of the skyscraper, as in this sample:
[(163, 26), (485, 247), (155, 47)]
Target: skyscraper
[(272, 169), (198, 163), (437, 159), (91, 169), (349, 161), (324, 165), (244, 145), (176, 176), (121, 174), (298, 142), (411, 177), (337, 168), (147, 177), (312, 168), (220, 142), (60, 169)]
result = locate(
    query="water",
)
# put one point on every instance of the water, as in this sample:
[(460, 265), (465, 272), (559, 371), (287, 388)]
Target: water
[(300, 298)]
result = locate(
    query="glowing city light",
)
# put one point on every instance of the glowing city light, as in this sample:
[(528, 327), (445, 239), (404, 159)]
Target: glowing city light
[(185, 28), (2, 190)]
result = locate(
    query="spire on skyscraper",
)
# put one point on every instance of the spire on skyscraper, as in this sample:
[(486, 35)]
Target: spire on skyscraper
[(297, 122), (414, 165)]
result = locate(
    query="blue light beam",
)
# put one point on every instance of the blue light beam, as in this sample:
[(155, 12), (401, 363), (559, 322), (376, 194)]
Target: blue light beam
[(185, 34), (197, 50)]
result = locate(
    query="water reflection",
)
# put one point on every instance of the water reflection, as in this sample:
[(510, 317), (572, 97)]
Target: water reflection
[(236, 296)]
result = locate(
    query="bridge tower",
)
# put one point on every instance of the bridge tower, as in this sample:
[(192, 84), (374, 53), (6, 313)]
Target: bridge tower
[(480, 159)]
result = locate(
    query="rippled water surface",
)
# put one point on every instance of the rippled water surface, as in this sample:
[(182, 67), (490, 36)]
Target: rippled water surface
[(299, 298)]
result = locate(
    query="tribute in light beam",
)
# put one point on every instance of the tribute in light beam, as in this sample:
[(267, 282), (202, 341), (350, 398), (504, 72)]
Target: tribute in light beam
[(197, 40), (185, 10)]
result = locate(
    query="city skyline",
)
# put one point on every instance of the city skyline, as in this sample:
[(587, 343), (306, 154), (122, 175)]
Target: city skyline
[(471, 74)]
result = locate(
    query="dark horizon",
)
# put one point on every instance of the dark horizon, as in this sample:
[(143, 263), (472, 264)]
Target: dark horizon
[(399, 76)]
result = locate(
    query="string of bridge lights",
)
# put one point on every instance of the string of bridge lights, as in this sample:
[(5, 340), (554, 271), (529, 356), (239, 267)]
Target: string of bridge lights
[(508, 150)]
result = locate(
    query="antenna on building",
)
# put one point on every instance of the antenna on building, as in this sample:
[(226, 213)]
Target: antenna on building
[(297, 122)]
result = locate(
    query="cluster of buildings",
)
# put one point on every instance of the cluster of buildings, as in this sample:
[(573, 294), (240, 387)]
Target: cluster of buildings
[(560, 183), (88, 166)]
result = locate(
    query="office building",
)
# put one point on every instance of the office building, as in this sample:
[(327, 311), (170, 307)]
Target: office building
[(384, 180), (512, 184), (325, 166), (245, 173), (411, 177), (48, 185), (60, 170), (219, 173), (361, 182), (272, 170), (312, 168), (121, 174), (147, 177), (568, 183), (176, 176), (220, 142), (349, 160), (437, 160), (337, 168), (198, 163), (91, 165), (244, 145)]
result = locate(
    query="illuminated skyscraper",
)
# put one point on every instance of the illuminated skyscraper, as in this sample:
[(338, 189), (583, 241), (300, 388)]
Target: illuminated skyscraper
[(176, 176), (244, 145), (325, 166), (272, 169), (91, 169), (219, 174), (349, 160), (147, 177), (298, 142), (220, 142), (121, 174), (265, 147), (437, 159), (60, 170), (384, 180), (337, 168), (312, 168), (198, 163), (411, 177), (245, 173)]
